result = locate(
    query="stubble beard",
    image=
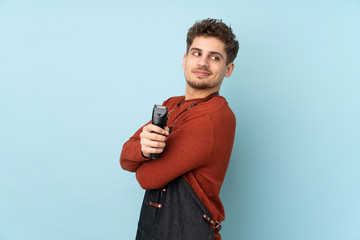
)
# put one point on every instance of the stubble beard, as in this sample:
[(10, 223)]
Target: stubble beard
[(199, 85)]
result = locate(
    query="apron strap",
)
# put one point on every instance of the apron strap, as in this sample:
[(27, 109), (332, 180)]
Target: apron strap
[(215, 224)]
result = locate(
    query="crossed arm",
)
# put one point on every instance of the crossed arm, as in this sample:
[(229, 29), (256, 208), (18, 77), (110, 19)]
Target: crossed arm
[(186, 148)]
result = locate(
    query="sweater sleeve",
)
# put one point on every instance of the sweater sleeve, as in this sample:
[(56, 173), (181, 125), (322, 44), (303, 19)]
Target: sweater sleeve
[(131, 157), (187, 148)]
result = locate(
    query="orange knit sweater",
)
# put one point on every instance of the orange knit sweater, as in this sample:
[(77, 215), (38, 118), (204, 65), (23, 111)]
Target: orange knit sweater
[(198, 148)]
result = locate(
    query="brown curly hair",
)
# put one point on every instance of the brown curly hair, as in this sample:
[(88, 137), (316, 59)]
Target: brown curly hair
[(215, 28)]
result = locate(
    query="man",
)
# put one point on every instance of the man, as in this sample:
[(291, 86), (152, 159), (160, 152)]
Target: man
[(183, 185)]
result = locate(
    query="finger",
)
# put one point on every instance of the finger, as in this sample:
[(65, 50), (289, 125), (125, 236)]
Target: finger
[(147, 143), (147, 151), (167, 130), (155, 144), (157, 137), (153, 136), (153, 128)]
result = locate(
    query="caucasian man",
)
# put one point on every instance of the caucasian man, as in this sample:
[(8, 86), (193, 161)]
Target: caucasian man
[(182, 185)]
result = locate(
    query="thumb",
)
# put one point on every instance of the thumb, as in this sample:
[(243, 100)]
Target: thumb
[(167, 130)]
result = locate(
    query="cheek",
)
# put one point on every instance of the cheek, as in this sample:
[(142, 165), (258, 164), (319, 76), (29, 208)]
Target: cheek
[(188, 65), (223, 70), (219, 70)]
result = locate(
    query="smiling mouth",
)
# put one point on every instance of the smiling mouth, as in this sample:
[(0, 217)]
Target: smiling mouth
[(201, 73)]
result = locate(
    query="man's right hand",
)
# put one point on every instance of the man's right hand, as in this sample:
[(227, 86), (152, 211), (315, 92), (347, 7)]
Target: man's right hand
[(152, 139)]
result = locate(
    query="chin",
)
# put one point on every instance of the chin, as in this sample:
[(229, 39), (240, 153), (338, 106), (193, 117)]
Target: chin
[(199, 85)]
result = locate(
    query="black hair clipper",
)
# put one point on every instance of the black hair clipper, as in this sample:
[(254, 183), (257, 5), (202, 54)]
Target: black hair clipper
[(159, 118)]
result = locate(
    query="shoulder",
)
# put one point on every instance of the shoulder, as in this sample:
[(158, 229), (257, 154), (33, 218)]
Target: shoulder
[(173, 101), (213, 113), (218, 109)]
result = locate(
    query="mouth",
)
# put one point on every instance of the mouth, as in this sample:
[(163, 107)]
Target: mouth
[(201, 73)]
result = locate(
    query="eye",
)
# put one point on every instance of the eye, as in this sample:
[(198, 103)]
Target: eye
[(216, 58), (196, 54)]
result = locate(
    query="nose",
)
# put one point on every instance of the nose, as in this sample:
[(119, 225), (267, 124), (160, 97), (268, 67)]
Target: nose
[(203, 61)]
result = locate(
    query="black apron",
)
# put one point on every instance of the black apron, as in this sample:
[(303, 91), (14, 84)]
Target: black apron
[(174, 213)]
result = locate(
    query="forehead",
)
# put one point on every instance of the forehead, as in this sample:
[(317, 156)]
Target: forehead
[(208, 44)]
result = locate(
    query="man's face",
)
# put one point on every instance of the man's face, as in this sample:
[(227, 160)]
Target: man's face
[(205, 64)]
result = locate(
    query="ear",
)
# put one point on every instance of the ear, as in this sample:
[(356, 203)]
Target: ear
[(229, 69), (183, 62)]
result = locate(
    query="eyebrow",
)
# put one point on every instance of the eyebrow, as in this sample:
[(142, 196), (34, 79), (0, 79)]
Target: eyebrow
[(211, 52)]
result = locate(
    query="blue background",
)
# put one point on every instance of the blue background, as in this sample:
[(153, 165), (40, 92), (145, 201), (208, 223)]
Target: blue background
[(78, 78)]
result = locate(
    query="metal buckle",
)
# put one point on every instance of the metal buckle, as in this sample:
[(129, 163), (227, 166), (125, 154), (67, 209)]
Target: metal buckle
[(217, 226), (214, 224)]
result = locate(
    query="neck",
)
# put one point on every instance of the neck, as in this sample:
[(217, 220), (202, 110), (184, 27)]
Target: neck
[(191, 93)]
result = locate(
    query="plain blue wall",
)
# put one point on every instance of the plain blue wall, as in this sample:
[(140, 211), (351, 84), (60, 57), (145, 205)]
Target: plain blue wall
[(79, 77)]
